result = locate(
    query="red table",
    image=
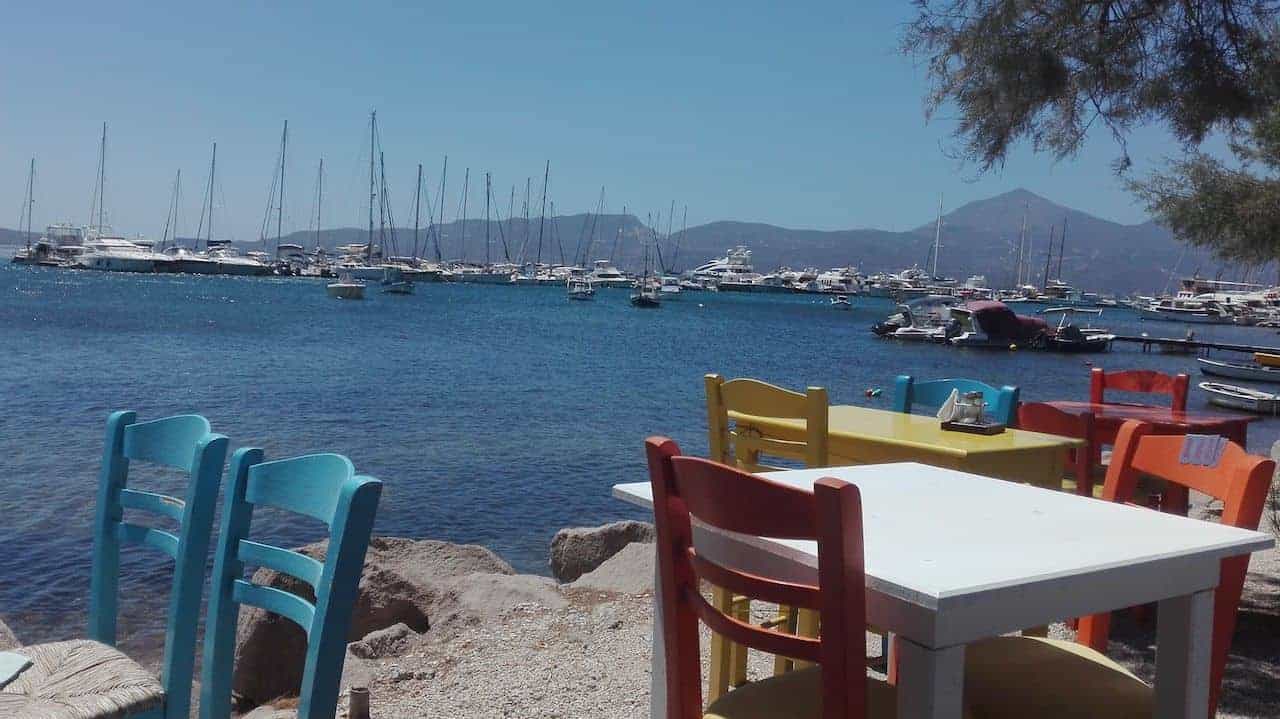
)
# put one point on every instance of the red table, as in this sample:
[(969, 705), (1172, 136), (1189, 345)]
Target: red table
[(1108, 416)]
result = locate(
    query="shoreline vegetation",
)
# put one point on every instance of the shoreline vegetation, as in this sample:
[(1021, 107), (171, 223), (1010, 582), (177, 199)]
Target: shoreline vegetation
[(444, 629)]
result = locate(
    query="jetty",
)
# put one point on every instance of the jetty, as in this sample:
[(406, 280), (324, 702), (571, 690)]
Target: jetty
[(1187, 345)]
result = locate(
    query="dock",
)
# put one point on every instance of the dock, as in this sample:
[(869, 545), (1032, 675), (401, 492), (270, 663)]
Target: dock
[(1187, 346)]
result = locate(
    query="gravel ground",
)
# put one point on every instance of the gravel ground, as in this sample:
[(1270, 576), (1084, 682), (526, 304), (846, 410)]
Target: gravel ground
[(590, 656)]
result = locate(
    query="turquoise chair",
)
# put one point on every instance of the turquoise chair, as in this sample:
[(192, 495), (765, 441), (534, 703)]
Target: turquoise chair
[(1002, 404), (320, 486), (91, 677)]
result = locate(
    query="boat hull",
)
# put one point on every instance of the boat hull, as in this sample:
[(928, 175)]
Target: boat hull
[(1236, 371), (644, 301), (1241, 398), (346, 291), (1195, 318), (109, 263)]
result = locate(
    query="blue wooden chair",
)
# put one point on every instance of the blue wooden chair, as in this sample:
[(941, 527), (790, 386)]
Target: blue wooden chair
[(320, 486), (88, 678), (1002, 404)]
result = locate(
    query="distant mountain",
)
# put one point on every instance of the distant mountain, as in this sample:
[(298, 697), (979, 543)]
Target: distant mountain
[(978, 238)]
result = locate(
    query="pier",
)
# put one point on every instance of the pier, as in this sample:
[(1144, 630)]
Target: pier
[(1188, 346)]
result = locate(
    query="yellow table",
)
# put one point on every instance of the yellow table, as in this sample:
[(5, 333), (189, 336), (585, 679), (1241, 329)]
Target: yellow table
[(861, 435)]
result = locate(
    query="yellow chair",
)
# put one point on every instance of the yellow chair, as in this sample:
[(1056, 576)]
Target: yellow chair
[(743, 448)]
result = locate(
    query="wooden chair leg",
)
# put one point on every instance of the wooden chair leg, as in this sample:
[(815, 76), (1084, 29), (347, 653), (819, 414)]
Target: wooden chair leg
[(786, 620), (737, 652), (806, 626), (718, 679)]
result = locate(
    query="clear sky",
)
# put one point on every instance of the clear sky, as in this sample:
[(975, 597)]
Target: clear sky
[(771, 112)]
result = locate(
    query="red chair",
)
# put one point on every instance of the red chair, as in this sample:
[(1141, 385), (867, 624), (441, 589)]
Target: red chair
[(1005, 677), (732, 500), (1038, 417), (1140, 380)]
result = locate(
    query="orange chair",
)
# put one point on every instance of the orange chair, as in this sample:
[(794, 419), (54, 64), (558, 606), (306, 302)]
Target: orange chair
[(726, 498), (1006, 677), (1039, 417)]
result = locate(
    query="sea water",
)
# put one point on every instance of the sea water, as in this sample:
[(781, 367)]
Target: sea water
[(494, 414)]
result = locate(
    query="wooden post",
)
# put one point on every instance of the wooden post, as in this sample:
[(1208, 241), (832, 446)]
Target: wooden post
[(358, 703)]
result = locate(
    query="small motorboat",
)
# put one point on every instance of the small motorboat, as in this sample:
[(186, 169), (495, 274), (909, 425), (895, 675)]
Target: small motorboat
[(841, 302), (1072, 338), (394, 283), (1244, 398), (346, 288), (581, 290), (1239, 370)]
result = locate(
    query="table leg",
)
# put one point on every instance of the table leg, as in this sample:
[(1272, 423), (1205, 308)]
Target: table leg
[(1184, 639), (930, 681), (657, 660)]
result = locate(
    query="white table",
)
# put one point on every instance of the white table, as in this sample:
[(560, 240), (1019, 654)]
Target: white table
[(952, 558)]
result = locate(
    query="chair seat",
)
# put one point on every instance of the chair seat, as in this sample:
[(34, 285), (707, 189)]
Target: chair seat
[(1017, 677), (79, 679), (794, 695)]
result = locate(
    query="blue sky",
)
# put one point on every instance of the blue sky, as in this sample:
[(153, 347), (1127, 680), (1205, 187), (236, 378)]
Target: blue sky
[(802, 117)]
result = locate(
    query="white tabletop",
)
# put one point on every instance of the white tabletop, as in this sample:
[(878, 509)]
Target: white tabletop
[(941, 539)]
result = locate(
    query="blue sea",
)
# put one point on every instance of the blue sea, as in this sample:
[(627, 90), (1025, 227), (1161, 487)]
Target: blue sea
[(495, 415)]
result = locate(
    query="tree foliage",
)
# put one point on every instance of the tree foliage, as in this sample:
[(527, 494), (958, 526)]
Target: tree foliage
[(1049, 71)]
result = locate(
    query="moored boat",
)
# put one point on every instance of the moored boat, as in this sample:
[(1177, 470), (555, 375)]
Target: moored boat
[(580, 289), (1243, 398), (346, 289), (1239, 370), (840, 302)]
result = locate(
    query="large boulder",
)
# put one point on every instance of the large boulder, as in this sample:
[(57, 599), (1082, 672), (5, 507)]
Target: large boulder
[(578, 550), (7, 639), (630, 571), (402, 581)]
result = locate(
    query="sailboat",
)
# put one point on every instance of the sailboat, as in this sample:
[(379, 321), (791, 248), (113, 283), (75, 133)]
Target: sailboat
[(41, 253), (646, 296), (346, 288)]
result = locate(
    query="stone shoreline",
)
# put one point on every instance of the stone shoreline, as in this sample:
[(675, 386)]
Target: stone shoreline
[(446, 630)]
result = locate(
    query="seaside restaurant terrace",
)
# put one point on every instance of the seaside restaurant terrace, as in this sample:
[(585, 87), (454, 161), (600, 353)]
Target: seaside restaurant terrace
[(962, 554)]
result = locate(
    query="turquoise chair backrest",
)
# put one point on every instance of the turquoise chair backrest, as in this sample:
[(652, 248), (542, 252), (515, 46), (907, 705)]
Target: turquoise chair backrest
[(185, 443), (320, 486), (1002, 403)]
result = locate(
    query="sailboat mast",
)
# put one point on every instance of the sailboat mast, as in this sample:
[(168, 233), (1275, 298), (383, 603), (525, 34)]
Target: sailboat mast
[(382, 206), (487, 190), (613, 251), (417, 206), (1022, 243), (937, 239), (319, 199), (524, 248), (213, 167), (511, 206), (31, 201), (1062, 245), (684, 224), (284, 145), (440, 225), (373, 193), (1048, 257), (102, 177), (466, 189), (542, 218)]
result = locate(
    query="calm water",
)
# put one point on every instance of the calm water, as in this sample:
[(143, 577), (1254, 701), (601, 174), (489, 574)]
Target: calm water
[(496, 415)]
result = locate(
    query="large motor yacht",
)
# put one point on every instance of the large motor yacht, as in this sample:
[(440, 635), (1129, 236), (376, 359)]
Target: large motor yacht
[(604, 274), (116, 254)]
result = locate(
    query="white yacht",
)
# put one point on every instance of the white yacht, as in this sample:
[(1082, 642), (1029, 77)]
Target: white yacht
[(116, 254), (735, 268), (604, 274), (230, 262), (670, 287)]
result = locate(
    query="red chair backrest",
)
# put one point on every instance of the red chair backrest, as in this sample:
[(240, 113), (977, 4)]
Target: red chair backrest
[(729, 499), (1140, 380), (1039, 417), (1240, 481)]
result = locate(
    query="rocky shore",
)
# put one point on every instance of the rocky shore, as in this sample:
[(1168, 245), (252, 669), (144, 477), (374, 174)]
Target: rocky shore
[(444, 630)]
